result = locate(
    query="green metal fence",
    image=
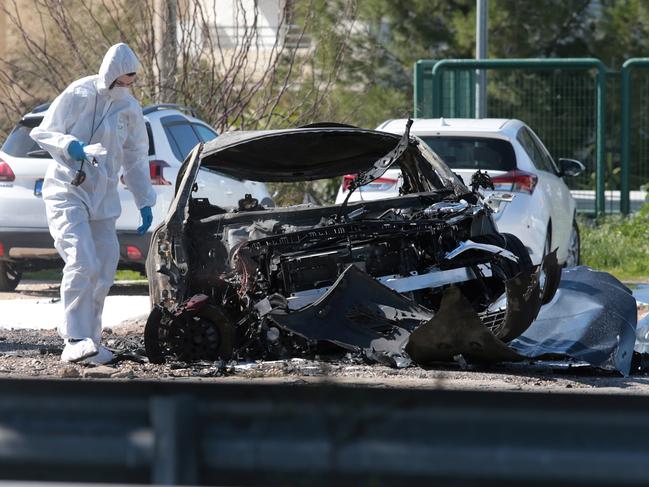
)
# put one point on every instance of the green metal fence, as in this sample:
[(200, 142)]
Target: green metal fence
[(635, 129), (458, 88), (563, 100), (579, 109)]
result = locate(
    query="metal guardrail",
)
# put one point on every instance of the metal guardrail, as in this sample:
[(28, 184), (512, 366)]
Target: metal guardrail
[(241, 434)]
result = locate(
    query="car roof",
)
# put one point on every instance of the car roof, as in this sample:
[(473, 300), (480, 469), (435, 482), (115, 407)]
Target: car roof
[(149, 111), (452, 125)]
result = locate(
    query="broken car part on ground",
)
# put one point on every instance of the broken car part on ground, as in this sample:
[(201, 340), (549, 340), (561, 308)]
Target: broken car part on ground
[(392, 280)]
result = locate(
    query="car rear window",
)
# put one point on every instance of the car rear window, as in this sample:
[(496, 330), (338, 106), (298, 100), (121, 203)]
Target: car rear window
[(205, 133), (20, 144), (473, 152), (183, 135)]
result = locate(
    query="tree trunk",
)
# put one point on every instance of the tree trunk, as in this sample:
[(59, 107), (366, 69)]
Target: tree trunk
[(166, 48)]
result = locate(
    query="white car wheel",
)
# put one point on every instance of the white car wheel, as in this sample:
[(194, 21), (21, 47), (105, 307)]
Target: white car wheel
[(574, 247), (548, 278), (546, 250)]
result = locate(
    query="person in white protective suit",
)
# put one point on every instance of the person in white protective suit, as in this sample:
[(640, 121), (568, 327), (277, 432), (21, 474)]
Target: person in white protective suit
[(98, 122)]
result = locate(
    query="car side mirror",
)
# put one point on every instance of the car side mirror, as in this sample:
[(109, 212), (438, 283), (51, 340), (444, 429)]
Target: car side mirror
[(570, 167)]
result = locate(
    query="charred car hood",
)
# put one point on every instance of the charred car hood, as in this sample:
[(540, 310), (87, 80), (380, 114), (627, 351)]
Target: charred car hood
[(296, 154)]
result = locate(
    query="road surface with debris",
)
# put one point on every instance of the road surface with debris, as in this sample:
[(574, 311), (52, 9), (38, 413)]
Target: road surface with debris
[(33, 348)]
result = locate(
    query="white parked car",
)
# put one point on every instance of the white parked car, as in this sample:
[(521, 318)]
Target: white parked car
[(25, 241), (531, 200)]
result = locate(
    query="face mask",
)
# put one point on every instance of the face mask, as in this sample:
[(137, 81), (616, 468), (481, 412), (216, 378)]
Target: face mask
[(118, 93)]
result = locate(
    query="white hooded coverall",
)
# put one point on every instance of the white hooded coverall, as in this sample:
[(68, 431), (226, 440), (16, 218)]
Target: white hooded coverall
[(82, 218)]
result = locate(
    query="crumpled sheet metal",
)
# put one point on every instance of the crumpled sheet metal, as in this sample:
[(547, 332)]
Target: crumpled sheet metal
[(523, 303), (456, 330), (592, 318), (359, 313)]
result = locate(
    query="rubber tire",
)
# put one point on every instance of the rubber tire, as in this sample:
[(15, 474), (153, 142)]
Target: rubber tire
[(226, 330), (575, 227), (9, 276), (552, 280)]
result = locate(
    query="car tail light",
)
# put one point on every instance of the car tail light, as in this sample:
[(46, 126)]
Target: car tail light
[(155, 169), (347, 181), (516, 181), (380, 184), (2, 249), (6, 174), (133, 253)]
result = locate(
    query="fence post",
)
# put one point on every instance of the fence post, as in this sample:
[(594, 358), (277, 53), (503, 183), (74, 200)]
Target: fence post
[(600, 195), (418, 77), (626, 125), (625, 206), (422, 76)]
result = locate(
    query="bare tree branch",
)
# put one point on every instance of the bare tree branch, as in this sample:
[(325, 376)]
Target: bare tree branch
[(231, 69)]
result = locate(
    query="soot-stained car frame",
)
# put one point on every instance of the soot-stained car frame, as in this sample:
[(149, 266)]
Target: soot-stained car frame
[(421, 277)]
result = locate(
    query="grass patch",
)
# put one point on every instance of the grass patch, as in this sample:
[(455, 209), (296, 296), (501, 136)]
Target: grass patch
[(617, 244), (129, 276)]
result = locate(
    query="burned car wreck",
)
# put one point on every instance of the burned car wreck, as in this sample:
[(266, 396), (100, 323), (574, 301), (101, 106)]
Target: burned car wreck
[(421, 277)]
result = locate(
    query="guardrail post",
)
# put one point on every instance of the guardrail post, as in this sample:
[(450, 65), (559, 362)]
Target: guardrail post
[(175, 448)]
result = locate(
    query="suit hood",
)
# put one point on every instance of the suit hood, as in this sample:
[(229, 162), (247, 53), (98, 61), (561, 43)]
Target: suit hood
[(119, 60)]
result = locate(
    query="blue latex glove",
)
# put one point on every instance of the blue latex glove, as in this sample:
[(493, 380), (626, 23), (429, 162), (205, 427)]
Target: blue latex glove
[(147, 219), (75, 149)]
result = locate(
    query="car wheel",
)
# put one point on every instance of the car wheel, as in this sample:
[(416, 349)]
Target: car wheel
[(206, 334), (574, 247), (9, 276), (549, 277)]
